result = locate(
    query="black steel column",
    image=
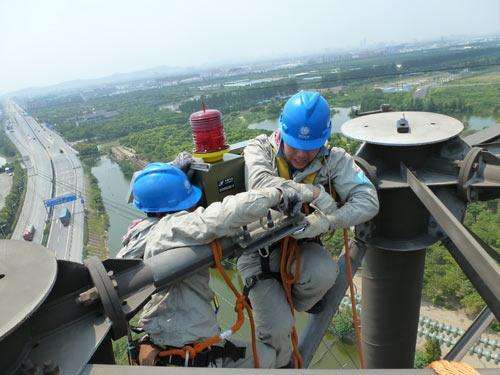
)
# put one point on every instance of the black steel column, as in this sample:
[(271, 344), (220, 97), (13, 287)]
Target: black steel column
[(392, 288)]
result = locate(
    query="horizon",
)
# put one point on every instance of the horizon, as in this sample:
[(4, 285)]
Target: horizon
[(85, 40)]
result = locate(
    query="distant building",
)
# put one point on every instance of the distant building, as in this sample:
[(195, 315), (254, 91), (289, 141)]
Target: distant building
[(401, 88)]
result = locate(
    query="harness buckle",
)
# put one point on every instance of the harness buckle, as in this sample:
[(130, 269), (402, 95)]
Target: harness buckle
[(264, 252), (250, 282)]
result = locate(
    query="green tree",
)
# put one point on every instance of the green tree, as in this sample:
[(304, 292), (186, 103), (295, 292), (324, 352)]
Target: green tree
[(342, 323), (430, 352)]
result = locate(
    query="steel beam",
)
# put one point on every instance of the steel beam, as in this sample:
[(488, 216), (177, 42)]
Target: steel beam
[(488, 135), (478, 326), (317, 325), (467, 246)]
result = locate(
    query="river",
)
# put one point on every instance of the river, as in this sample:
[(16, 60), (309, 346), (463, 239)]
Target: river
[(341, 116), (479, 122), (114, 189)]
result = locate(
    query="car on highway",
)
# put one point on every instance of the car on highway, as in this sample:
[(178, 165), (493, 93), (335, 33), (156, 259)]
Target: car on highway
[(29, 232), (64, 216)]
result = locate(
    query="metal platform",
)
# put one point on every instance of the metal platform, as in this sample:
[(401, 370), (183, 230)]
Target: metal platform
[(422, 128), (27, 274)]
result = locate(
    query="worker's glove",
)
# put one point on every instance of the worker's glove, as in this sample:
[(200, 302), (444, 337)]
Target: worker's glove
[(317, 223), (291, 200), (183, 161), (293, 196), (324, 202)]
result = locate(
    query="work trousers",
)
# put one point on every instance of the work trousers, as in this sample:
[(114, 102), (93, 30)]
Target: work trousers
[(267, 356), (272, 314)]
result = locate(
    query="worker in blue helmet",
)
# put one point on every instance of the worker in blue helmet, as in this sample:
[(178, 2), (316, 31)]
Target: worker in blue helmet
[(182, 314), (296, 155)]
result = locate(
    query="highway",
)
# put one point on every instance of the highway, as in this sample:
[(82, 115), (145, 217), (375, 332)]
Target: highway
[(46, 154)]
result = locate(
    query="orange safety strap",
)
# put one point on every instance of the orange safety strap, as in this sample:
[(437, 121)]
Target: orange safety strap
[(347, 257), (443, 367), (190, 352), (289, 254), (355, 318)]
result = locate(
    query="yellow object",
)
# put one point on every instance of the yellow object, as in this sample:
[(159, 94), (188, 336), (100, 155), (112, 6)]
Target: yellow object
[(284, 171), (211, 157), (443, 367)]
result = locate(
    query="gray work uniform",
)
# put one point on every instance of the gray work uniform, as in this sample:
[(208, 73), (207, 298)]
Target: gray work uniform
[(134, 241), (318, 269), (183, 314)]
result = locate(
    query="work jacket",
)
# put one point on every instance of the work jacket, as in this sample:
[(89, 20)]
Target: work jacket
[(360, 202), (183, 314), (134, 241)]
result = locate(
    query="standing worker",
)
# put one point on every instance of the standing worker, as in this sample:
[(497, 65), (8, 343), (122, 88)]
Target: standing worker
[(182, 314), (294, 155)]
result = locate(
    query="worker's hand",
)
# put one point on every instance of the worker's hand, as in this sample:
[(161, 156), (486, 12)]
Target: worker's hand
[(183, 161), (291, 200), (317, 223), (324, 202)]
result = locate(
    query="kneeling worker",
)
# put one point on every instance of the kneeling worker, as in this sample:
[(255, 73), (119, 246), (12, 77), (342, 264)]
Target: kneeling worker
[(294, 155), (182, 314)]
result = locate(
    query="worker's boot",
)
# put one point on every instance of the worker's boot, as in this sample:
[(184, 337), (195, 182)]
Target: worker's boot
[(318, 307)]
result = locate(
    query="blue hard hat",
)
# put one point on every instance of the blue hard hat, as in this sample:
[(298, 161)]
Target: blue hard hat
[(305, 121), (161, 187)]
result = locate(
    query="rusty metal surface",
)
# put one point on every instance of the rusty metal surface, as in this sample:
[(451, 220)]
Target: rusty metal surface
[(27, 275), (425, 128)]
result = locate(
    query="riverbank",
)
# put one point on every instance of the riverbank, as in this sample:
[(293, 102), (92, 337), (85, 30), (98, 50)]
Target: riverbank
[(13, 202), (95, 234)]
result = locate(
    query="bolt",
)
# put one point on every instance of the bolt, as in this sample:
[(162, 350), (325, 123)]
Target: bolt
[(270, 222), (88, 297)]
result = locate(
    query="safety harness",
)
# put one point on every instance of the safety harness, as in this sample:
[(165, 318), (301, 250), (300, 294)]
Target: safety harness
[(208, 350), (151, 354), (289, 254), (265, 254)]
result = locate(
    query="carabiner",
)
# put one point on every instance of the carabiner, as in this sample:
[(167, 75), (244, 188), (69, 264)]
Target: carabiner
[(264, 252)]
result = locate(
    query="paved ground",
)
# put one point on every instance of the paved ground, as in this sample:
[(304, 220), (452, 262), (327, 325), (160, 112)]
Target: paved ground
[(39, 172), (46, 154)]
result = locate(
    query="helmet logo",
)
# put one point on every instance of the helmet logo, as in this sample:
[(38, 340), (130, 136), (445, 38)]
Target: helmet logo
[(304, 132)]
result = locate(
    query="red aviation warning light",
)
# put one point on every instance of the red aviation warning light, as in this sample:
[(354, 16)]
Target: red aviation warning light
[(208, 135)]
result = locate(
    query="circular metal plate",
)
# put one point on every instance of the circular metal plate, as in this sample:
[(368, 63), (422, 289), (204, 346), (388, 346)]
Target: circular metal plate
[(27, 274), (381, 129)]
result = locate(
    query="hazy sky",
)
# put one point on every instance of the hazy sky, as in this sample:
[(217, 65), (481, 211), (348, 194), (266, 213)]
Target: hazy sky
[(49, 41)]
